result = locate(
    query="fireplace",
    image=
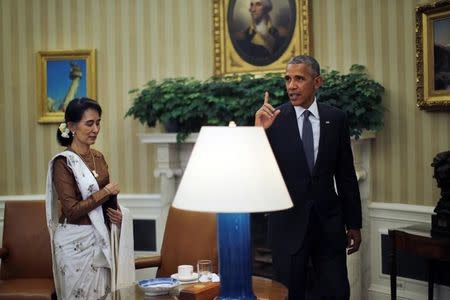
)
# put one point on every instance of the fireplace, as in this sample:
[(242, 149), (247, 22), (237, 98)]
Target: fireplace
[(262, 258)]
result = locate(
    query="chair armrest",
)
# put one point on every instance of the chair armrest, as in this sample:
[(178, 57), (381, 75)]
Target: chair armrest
[(147, 262), (3, 253)]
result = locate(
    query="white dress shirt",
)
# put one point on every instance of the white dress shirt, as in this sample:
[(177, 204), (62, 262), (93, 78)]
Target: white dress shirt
[(314, 118)]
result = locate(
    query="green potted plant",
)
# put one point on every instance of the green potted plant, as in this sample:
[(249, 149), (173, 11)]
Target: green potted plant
[(190, 103), (357, 95), (177, 103)]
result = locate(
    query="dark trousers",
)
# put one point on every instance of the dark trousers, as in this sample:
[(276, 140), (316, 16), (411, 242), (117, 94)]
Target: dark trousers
[(328, 262)]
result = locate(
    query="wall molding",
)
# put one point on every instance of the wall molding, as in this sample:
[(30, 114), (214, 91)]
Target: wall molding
[(142, 206), (401, 212), (124, 197), (21, 197), (134, 202)]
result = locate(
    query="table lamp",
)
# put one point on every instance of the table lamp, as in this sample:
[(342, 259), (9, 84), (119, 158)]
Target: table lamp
[(232, 171)]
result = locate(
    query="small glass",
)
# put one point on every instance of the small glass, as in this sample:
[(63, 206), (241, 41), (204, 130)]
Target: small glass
[(204, 269)]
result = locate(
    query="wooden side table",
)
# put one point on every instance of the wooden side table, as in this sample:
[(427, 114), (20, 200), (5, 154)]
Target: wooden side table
[(417, 239), (262, 287)]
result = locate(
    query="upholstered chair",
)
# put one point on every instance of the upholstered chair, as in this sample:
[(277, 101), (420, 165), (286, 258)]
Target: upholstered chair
[(188, 237), (26, 263)]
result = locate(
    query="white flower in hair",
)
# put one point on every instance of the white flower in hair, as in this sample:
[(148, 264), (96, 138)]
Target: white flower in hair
[(64, 130)]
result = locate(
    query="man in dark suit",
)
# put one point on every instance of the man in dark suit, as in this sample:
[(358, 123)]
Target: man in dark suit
[(311, 143)]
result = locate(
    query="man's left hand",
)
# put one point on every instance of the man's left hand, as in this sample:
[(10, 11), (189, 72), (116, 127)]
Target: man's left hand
[(353, 240)]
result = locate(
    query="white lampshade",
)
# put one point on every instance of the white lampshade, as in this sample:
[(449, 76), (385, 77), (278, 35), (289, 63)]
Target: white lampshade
[(232, 169)]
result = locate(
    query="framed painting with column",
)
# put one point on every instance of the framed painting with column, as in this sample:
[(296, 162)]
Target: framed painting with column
[(61, 76), (433, 55), (259, 36)]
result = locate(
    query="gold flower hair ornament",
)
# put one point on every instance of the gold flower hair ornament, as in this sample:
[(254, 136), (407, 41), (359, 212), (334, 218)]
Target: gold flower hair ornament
[(64, 130)]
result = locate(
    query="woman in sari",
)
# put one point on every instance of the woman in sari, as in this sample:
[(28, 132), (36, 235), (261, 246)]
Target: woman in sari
[(91, 235)]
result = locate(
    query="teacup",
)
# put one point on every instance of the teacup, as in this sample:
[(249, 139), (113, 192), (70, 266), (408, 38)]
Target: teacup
[(185, 272)]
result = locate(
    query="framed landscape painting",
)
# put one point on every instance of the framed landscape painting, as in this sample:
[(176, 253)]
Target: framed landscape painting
[(61, 76), (259, 36), (433, 55)]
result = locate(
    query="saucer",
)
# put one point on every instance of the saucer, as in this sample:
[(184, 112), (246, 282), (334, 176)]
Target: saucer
[(193, 278)]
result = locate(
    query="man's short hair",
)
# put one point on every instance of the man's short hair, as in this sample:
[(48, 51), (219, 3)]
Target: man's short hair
[(307, 60)]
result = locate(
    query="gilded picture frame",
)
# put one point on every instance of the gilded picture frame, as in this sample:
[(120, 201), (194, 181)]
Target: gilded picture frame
[(240, 48), (433, 56), (61, 76)]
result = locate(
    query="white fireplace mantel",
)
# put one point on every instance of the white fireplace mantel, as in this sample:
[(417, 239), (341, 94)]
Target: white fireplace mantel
[(172, 157), (171, 160)]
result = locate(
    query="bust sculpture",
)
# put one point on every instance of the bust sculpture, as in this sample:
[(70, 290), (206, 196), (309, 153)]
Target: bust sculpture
[(441, 220)]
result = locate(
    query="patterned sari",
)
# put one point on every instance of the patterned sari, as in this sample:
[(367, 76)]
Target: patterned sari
[(88, 260)]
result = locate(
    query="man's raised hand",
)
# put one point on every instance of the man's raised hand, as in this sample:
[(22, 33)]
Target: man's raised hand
[(266, 114)]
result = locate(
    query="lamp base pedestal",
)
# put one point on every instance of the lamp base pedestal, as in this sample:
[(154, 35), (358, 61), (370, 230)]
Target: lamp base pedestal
[(235, 257)]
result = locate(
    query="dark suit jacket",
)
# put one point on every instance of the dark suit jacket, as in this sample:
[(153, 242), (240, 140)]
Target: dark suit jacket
[(314, 191)]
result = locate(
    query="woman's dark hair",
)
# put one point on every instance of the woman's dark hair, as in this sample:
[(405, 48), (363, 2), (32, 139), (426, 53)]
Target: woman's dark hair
[(74, 112)]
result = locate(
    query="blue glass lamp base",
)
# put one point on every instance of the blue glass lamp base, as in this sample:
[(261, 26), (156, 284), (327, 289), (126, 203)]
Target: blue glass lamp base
[(235, 257)]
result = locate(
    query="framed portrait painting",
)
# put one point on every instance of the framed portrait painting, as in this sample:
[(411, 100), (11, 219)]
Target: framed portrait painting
[(259, 36), (433, 55), (61, 76)]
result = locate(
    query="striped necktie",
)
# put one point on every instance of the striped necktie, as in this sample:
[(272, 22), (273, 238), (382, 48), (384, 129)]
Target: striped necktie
[(307, 139)]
